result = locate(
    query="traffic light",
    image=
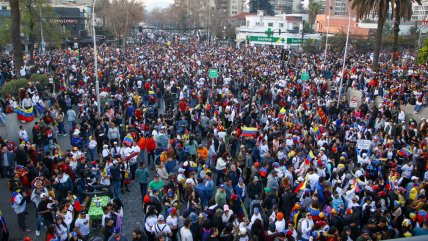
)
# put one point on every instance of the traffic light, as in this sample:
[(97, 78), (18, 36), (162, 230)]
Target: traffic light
[(279, 31), (285, 55)]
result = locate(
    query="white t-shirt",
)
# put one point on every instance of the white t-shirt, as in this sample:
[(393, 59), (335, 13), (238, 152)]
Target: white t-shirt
[(280, 225), (186, 234), (407, 171), (172, 221), (161, 227), (83, 225)]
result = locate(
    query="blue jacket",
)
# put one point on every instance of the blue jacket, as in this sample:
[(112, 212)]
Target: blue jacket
[(202, 193), (240, 192), (170, 166)]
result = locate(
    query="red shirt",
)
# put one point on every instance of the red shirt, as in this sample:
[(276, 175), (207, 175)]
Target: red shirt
[(182, 105)]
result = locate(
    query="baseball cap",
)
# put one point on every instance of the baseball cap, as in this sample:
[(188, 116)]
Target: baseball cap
[(43, 195), (156, 176), (256, 178), (161, 218), (116, 230), (256, 210)]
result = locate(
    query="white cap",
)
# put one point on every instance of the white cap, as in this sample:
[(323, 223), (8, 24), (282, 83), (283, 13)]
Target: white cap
[(42, 195), (415, 178), (115, 162), (161, 218)]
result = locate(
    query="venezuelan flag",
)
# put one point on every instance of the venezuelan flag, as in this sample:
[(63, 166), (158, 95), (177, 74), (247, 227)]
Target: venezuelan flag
[(127, 140), (357, 188), (101, 60), (25, 115), (196, 117), (301, 185), (405, 152), (311, 156), (388, 184), (281, 113), (249, 131), (152, 93)]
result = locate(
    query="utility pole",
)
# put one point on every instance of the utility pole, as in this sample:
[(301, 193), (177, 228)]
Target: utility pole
[(97, 83), (209, 22), (344, 58)]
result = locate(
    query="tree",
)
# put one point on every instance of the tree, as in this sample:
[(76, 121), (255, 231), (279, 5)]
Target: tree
[(100, 10), (122, 16), (264, 5), (15, 32), (314, 8), (364, 8), (423, 53), (401, 9)]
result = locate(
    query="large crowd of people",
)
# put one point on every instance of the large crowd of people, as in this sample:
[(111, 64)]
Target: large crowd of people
[(255, 154)]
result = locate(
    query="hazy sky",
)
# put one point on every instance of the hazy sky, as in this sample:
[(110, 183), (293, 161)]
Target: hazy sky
[(150, 4)]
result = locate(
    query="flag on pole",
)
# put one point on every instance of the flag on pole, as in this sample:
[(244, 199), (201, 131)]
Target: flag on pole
[(301, 185), (25, 115)]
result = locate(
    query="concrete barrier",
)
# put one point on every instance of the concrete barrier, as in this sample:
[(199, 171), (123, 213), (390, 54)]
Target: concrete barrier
[(408, 109)]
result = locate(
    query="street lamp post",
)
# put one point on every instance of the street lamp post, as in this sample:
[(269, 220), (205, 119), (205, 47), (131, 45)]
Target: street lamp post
[(328, 28), (41, 32), (344, 57), (97, 83)]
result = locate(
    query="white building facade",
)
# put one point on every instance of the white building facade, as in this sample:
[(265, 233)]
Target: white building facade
[(280, 30)]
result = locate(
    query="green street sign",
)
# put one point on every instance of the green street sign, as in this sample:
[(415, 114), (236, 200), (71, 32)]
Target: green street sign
[(305, 76), (294, 41), (270, 39), (266, 39), (213, 73)]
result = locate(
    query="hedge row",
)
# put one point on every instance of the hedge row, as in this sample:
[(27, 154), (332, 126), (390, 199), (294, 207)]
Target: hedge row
[(12, 87)]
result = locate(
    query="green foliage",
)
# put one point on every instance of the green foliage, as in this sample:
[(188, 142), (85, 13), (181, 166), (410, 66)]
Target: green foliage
[(423, 53), (387, 29), (12, 87), (314, 8), (311, 45), (5, 32), (34, 18), (42, 78), (307, 28), (264, 5)]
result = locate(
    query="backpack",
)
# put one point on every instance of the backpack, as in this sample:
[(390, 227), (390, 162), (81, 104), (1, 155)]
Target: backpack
[(299, 225), (159, 232)]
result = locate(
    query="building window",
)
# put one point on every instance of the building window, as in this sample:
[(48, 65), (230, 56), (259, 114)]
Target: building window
[(257, 24), (248, 23), (281, 25), (270, 24), (3, 8)]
